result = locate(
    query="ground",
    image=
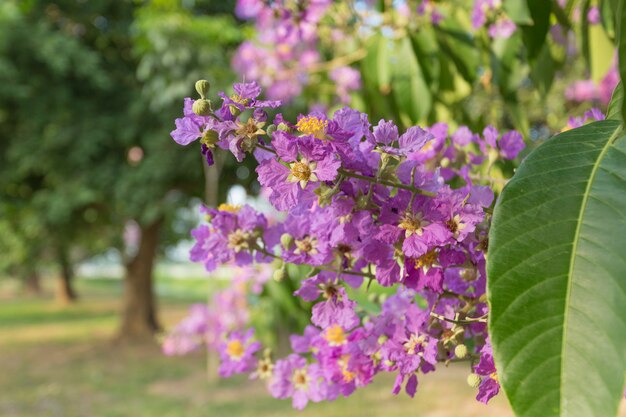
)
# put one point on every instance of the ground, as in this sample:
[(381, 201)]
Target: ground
[(61, 361)]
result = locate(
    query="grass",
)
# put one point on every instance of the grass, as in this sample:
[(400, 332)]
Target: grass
[(61, 361)]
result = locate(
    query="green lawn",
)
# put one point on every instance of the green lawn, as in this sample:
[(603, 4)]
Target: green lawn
[(61, 361)]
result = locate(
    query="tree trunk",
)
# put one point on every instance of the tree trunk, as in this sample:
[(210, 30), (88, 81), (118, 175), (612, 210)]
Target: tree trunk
[(32, 283), (139, 320), (65, 293), (212, 180)]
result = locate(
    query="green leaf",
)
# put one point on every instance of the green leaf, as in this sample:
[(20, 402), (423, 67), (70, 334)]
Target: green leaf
[(614, 112), (535, 35), (518, 12), (543, 70), (457, 44), (410, 91), (557, 276)]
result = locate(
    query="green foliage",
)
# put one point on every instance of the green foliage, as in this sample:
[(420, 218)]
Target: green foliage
[(556, 286), (80, 89)]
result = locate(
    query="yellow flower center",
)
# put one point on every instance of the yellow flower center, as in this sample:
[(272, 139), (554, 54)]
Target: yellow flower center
[(300, 379), (414, 343), (302, 172), (494, 376), (343, 364), (426, 260), (231, 208), (311, 125), (329, 291), (265, 368), (413, 223), (335, 336), (250, 129), (235, 349), (238, 240), (455, 226), (307, 244)]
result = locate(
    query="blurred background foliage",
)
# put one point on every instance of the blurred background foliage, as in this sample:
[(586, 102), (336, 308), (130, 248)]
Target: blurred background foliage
[(89, 90)]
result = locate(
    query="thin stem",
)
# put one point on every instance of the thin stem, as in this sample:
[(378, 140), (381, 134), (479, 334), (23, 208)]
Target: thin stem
[(326, 66), (322, 267), (387, 183), (468, 320)]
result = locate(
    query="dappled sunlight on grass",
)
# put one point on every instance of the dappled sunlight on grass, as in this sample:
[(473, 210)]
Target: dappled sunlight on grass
[(62, 361)]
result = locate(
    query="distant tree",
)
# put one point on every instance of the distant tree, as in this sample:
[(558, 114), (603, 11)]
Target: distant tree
[(87, 99)]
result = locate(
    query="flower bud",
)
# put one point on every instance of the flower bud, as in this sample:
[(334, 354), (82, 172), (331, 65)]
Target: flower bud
[(202, 107), (286, 240), (209, 138), (460, 351), (270, 129), (203, 87), (284, 127), (473, 380), (280, 274)]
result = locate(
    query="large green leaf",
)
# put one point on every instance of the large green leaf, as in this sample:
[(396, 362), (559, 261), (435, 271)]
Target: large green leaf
[(557, 276), (410, 91)]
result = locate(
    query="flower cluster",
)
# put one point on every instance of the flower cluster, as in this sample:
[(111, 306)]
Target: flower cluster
[(221, 324), (286, 49), (490, 14), (367, 207), (588, 90)]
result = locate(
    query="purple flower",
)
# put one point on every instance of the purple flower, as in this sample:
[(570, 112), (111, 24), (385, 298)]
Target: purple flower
[(237, 353), (232, 236), (607, 85), (511, 144), (188, 335), (411, 141), (307, 163), (385, 132), (579, 91), (346, 80), (503, 28), (489, 387), (593, 15), (419, 227), (248, 9), (427, 8), (294, 379), (337, 309)]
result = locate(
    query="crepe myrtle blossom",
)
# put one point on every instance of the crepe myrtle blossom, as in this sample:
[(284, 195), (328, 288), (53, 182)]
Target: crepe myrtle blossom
[(336, 309), (231, 236), (237, 353), (490, 13), (395, 217), (304, 162), (489, 385), (509, 144), (593, 114), (294, 378), (222, 128)]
